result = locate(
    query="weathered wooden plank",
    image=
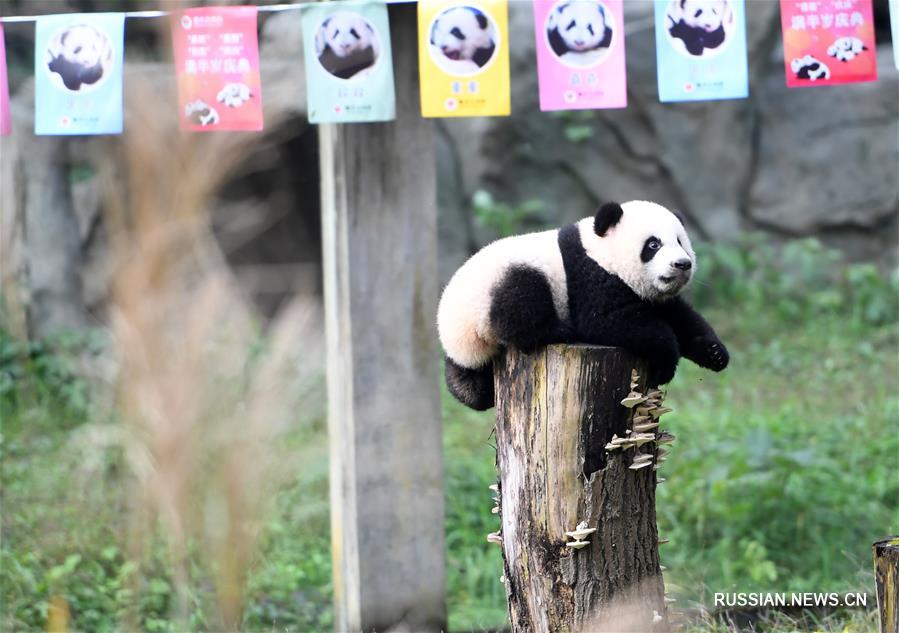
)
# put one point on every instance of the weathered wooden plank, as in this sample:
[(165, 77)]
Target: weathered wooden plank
[(379, 225), (555, 412), (886, 576)]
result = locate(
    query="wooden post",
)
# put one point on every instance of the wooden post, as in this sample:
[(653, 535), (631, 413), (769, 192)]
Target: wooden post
[(556, 410), (379, 234), (886, 576)]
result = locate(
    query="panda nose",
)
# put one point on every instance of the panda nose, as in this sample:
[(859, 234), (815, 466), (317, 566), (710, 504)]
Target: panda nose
[(683, 264)]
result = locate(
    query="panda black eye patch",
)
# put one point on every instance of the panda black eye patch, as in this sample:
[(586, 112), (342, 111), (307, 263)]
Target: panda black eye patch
[(698, 13), (650, 247), (590, 29), (355, 34), (457, 33), (571, 25)]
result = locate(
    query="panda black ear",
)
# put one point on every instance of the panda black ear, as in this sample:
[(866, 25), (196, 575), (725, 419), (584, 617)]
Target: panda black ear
[(608, 216), (482, 19)]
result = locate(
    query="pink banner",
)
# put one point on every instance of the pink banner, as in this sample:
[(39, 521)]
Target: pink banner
[(217, 62), (5, 122), (580, 54), (828, 42)]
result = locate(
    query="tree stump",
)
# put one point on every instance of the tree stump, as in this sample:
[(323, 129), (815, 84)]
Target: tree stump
[(556, 410), (886, 576)]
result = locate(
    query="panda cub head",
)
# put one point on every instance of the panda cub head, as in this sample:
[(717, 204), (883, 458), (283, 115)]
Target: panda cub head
[(645, 245), (464, 34), (578, 27), (345, 33)]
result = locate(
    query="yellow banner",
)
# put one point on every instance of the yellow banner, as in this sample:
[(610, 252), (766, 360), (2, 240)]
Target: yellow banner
[(463, 57)]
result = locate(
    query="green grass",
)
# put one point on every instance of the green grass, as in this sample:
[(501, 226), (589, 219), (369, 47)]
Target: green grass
[(784, 471), (65, 533)]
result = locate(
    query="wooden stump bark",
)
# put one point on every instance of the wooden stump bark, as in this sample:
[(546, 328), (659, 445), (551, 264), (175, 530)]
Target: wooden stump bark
[(556, 410), (886, 576)]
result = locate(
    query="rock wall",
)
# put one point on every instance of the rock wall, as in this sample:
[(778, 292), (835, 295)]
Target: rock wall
[(793, 162)]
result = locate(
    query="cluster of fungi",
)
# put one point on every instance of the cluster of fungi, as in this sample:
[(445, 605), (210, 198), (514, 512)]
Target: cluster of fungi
[(646, 409)]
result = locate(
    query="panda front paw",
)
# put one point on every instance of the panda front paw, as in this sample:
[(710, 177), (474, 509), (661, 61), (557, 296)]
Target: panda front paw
[(660, 374), (711, 353)]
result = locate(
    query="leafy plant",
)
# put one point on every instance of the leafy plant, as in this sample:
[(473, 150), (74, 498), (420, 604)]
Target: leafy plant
[(503, 219), (800, 280), (47, 372)]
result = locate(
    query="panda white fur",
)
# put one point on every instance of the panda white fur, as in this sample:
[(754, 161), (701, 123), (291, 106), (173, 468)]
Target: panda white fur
[(611, 279), (577, 28), (846, 49), (808, 67), (465, 36)]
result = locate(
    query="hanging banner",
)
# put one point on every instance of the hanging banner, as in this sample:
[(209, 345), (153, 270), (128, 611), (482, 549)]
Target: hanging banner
[(828, 42), (894, 25), (349, 66), (701, 50), (78, 73), (217, 63), (580, 54), (5, 120), (463, 56)]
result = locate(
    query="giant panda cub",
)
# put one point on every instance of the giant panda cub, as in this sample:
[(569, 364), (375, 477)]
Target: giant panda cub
[(808, 67), (699, 24), (346, 44), (577, 31), (464, 38), (612, 279), (846, 49)]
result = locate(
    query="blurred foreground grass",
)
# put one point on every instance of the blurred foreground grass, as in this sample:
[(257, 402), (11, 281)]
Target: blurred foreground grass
[(784, 472)]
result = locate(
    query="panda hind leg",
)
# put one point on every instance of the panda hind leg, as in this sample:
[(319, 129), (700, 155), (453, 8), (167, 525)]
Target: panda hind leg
[(471, 387), (522, 312)]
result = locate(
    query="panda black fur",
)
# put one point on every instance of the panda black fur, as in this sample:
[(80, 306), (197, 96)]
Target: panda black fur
[(531, 290)]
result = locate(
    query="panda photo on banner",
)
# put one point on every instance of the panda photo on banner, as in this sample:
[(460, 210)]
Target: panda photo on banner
[(701, 49), (579, 32), (828, 42), (5, 119), (463, 40), (78, 73), (349, 68), (217, 65), (464, 57), (580, 54), (700, 26), (346, 44)]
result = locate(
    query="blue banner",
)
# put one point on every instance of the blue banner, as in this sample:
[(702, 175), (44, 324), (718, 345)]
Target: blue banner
[(78, 73), (894, 25), (701, 50), (349, 65)]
